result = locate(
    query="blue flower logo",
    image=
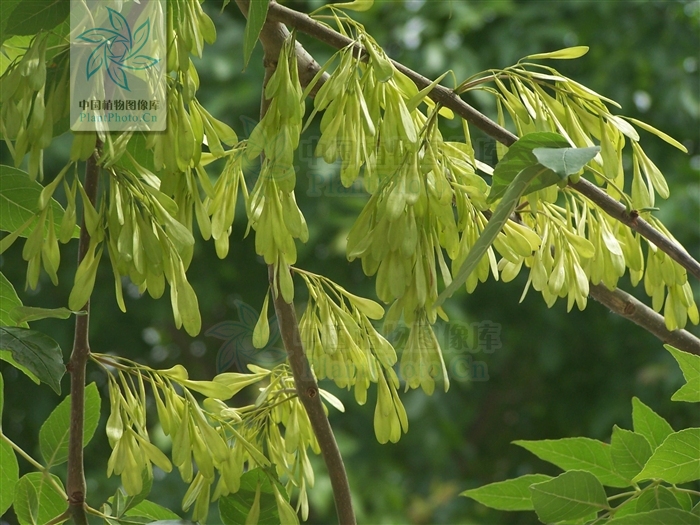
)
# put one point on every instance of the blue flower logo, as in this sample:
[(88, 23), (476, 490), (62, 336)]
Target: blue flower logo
[(238, 348), (118, 49)]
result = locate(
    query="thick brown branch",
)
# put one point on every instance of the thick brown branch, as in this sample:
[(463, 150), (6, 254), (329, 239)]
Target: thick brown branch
[(272, 36), (307, 390), (624, 304), (75, 485), (450, 99)]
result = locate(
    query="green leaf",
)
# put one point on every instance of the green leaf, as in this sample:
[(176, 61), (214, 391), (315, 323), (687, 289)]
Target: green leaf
[(37, 352), (495, 225), (683, 498), (677, 460), (234, 508), (565, 161), (519, 157), (657, 497), (9, 300), (31, 16), (690, 366), (12, 48), (513, 494), (173, 522), (572, 495), (122, 503), (6, 355), (578, 453), (2, 402), (53, 436), (629, 451), (19, 196), (257, 13), (7, 7), (24, 314), (36, 499), (9, 475), (649, 424), (657, 517), (148, 509)]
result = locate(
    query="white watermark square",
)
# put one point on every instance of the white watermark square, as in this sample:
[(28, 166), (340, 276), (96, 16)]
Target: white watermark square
[(118, 65)]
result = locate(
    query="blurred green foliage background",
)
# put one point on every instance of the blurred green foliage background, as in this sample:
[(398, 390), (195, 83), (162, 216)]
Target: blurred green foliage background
[(554, 375)]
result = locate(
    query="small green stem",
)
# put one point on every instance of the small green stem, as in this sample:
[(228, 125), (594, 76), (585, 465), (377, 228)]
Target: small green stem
[(60, 518), (41, 468)]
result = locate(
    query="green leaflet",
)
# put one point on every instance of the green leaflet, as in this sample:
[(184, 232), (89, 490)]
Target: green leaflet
[(657, 497), (53, 436), (28, 18), (519, 157), (649, 424), (151, 510), (536, 161), (512, 494), (9, 301), (256, 18), (499, 218), (676, 460), (36, 351), (578, 453), (19, 197), (235, 508), (629, 452), (23, 314), (657, 517), (37, 500), (565, 161), (690, 365), (572, 495), (9, 475)]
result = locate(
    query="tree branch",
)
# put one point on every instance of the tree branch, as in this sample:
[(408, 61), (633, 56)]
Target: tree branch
[(272, 36), (622, 303), (307, 390), (451, 100), (75, 485)]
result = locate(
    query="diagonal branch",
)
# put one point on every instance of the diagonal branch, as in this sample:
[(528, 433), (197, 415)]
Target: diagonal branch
[(640, 314), (451, 100)]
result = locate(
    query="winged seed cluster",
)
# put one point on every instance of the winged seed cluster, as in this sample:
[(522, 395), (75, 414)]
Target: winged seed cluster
[(213, 444), (429, 202)]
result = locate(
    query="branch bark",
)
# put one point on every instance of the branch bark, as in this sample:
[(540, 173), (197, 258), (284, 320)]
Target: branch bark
[(307, 390), (272, 36), (622, 303), (451, 100), (75, 484)]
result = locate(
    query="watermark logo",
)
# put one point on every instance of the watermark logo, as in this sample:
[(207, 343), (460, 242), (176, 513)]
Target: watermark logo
[(238, 351), (117, 49), (118, 78)]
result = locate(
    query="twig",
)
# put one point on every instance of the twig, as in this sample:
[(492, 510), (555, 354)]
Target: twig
[(640, 314), (272, 36), (451, 100), (41, 468), (75, 484), (60, 518)]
